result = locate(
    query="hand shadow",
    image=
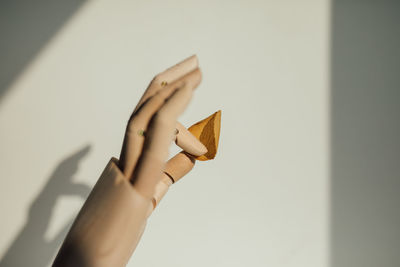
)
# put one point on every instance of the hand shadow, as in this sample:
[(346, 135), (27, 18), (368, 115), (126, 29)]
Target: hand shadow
[(30, 247)]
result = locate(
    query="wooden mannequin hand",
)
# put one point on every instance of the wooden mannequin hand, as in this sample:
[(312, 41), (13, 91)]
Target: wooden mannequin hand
[(153, 126), (113, 218)]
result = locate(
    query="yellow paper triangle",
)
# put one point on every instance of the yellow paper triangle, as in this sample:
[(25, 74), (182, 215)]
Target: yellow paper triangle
[(207, 131)]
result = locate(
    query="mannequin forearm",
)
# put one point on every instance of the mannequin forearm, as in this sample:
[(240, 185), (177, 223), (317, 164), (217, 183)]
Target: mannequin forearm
[(114, 209)]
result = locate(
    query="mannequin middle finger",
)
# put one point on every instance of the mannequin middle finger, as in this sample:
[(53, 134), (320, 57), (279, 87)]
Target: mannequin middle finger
[(184, 138), (169, 76), (134, 137)]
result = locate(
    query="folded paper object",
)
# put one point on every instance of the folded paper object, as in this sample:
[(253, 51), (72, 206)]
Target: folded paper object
[(207, 131)]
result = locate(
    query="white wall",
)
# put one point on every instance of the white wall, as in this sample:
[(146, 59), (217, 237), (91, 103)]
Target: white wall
[(262, 202), (365, 119)]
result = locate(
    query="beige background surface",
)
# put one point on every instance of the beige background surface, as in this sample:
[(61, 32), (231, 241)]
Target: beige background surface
[(264, 201)]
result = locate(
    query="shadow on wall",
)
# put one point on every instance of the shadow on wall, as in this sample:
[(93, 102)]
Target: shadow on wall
[(30, 248), (365, 133), (25, 28)]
